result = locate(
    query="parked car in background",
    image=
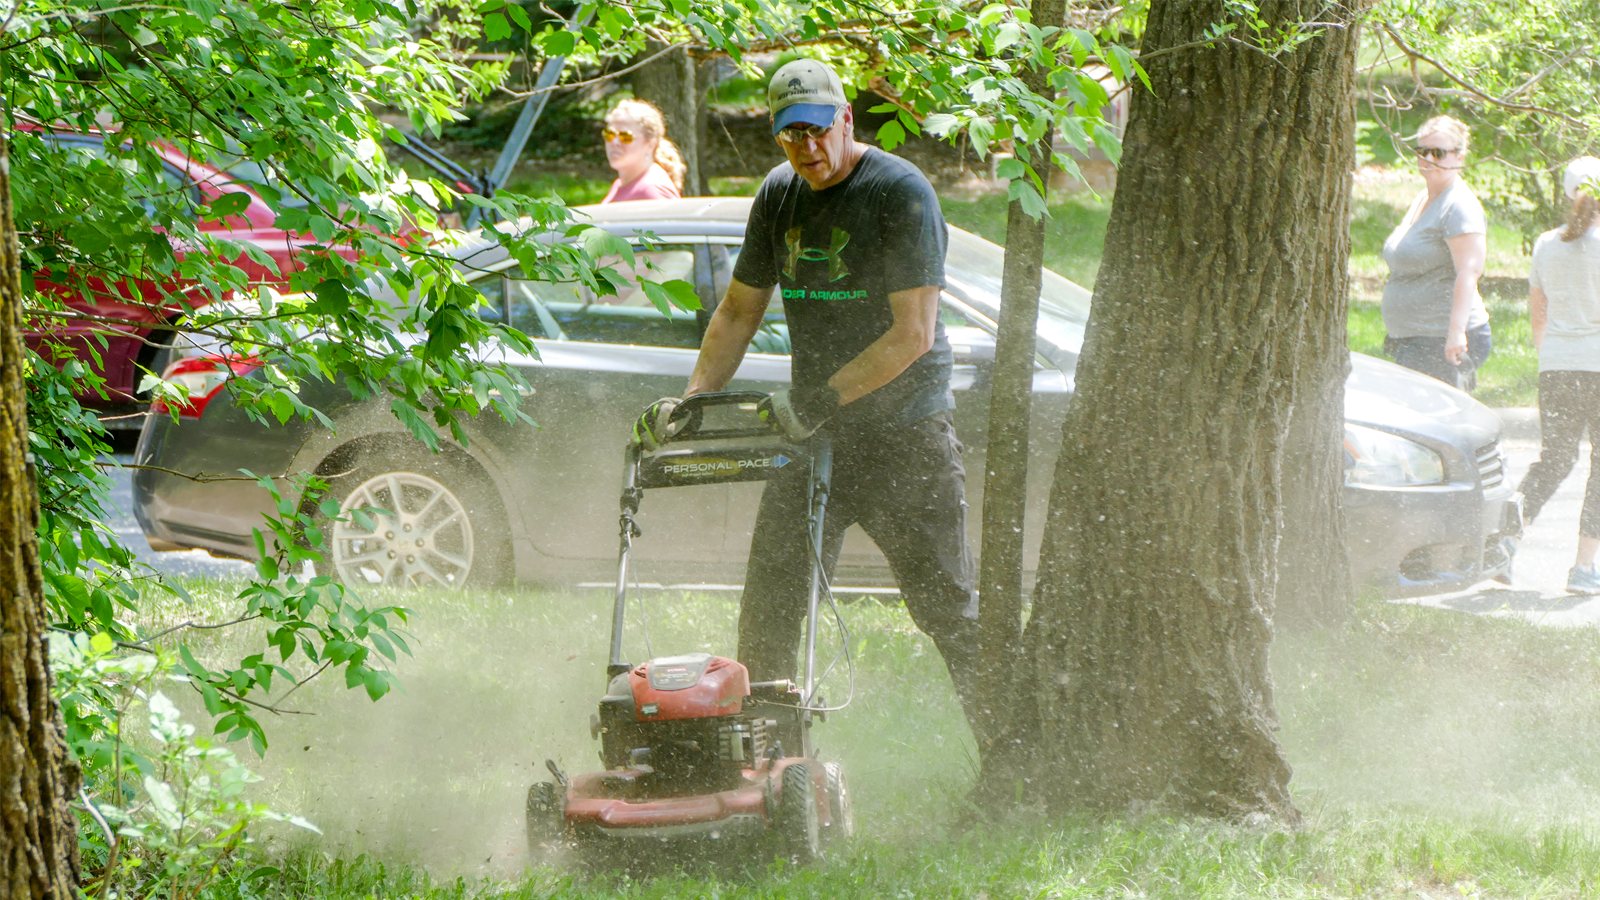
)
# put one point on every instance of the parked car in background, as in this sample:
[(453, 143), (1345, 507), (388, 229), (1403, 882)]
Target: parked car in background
[(1424, 486), (140, 312)]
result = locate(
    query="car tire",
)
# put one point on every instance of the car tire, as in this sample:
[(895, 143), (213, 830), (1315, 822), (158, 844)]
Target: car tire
[(450, 530), (795, 824)]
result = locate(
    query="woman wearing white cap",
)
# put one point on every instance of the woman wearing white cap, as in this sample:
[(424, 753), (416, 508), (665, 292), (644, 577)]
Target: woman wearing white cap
[(1564, 301)]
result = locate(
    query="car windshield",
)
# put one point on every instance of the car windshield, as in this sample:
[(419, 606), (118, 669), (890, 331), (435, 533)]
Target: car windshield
[(975, 267)]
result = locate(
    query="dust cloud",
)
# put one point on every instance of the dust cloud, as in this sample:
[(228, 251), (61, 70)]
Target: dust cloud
[(436, 774)]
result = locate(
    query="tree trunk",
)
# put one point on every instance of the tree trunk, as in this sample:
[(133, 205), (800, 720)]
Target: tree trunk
[(1314, 581), (1009, 725), (38, 841), (673, 85), (1224, 263)]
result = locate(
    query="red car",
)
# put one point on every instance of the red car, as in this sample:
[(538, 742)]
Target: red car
[(125, 323)]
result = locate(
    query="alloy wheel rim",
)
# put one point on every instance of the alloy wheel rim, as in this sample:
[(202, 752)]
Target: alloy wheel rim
[(421, 534)]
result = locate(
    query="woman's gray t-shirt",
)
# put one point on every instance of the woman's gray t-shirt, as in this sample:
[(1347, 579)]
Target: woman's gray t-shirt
[(1422, 274), (1569, 274)]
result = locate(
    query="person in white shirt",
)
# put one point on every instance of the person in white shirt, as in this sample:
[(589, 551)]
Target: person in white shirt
[(1564, 302)]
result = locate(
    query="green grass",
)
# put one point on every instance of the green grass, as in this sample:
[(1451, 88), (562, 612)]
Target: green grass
[(1074, 237), (1435, 754)]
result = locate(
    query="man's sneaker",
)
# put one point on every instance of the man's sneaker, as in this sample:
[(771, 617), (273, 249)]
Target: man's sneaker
[(1581, 580)]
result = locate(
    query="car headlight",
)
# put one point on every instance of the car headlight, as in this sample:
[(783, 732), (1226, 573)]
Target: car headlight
[(1384, 460)]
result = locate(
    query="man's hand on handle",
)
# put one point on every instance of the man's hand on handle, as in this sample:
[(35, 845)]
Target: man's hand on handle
[(655, 426), (797, 412)]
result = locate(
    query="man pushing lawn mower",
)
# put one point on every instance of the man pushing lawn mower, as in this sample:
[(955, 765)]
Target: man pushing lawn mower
[(855, 239), (709, 748)]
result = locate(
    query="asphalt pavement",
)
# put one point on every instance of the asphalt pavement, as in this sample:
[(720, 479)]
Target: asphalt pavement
[(1539, 575), (1539, 571)]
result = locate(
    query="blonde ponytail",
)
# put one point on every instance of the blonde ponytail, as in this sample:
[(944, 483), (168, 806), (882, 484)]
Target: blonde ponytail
[(655, 125)]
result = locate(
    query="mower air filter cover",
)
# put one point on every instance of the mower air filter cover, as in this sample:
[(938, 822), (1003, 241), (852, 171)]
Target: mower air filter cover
[(694, 686)]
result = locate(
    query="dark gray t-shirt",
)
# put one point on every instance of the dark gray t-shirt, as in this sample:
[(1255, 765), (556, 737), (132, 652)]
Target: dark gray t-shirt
[(837, 254), (1422, 273)]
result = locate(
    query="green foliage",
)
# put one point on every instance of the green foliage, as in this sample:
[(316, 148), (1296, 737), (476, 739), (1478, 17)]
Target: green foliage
[(1524, 75), (165, 813)]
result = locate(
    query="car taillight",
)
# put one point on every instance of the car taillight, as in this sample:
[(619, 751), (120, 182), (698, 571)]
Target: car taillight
[(203, 377)]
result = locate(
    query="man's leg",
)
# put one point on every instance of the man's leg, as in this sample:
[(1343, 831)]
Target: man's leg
[(913, 505), (772, 611), (1426, 355)]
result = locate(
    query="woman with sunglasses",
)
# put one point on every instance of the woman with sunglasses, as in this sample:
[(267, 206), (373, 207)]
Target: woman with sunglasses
[(648, 165), (1564, 301), (1434, 316)]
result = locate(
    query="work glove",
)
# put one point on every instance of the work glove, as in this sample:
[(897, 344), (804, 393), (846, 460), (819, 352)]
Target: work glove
[(655, 426), (797, 412)]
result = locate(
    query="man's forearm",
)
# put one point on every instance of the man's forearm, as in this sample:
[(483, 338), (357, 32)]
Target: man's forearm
[(723, 348), (916, 319), (879, 364)]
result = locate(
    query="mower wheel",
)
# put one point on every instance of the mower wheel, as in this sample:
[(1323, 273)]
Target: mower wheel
[(796, 821), (843, 823), (546, 820)]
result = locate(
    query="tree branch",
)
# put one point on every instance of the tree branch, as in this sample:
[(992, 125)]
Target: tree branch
[(1468, 90)]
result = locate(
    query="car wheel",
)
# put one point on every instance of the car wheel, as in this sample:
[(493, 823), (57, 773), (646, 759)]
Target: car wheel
[(416, 522), (796, 821)]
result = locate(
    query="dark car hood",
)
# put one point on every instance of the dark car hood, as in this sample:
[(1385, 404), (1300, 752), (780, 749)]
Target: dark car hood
[(1393, 398)]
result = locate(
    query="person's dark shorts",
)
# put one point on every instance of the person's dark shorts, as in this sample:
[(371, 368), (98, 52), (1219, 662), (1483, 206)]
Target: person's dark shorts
[(906, 487), (1426, 355)]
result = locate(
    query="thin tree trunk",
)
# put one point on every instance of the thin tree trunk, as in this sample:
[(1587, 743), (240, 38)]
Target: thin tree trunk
[(1224, 263), (1008, 721), (38, 841)]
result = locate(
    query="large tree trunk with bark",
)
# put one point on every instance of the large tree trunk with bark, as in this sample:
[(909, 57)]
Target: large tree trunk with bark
[(1314, 581), (1224, 272), (38, 843), (673, 84)]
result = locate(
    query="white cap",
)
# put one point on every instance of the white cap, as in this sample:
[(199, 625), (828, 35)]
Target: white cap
[(1580, 171), (804, 92)]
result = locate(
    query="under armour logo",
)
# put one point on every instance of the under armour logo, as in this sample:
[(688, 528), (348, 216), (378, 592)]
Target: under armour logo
[(836, 267)]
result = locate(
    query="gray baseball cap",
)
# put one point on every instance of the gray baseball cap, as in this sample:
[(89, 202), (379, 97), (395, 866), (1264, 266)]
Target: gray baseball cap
[(804, 92)]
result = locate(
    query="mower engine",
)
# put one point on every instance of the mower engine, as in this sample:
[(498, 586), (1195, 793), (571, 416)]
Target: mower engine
[(683, 725)]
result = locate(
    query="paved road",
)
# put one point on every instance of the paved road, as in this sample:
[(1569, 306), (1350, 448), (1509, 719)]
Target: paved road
[(1539, 574), (1538, 589)]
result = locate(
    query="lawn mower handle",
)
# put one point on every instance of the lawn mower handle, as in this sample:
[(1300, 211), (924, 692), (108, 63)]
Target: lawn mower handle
[(693, 407)]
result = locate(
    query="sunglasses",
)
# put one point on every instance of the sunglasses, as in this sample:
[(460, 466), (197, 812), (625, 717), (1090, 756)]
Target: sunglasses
[(792, 135), (611, 134), (1435, 153)]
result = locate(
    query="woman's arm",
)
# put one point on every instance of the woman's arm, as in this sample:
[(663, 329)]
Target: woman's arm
[(1469, 252), (1539, 313)]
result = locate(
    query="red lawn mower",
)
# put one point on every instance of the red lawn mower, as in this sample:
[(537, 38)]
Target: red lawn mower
[(692, 749)]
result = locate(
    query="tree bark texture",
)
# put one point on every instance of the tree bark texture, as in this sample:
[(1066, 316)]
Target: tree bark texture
[(1009, 726), (1223, 277), (673, 85), (1315, 585), (38, 840)]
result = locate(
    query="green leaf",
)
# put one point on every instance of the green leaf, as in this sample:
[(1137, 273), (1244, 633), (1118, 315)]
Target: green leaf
[(891, 135), (560, 43), (1021, 190), (941, 124), (520, 16), (496, 28)]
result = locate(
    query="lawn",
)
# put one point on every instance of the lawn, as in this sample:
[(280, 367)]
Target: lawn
[(1435, 754)]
